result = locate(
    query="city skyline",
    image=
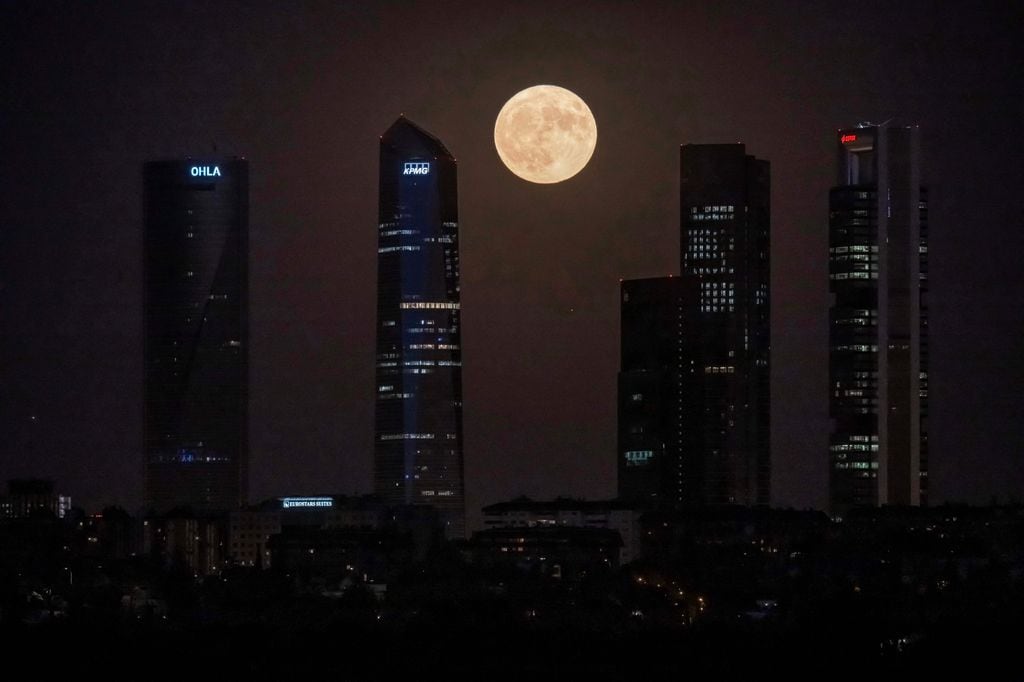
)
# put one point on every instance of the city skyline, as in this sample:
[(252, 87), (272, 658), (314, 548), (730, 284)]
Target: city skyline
[(541, 265)]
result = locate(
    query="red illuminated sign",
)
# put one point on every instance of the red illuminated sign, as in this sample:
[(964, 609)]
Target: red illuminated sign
[(848, 138)]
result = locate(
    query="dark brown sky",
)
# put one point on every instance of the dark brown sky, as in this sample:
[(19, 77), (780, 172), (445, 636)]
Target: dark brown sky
[(88, 91)]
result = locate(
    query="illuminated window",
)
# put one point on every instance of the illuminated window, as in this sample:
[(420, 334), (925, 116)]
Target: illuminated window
[(407, 436), (638, 457), (391, 249), (429, 305)]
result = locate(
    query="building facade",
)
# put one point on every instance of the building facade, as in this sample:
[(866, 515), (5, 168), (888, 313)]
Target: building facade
[(250, 529), (659, 408), (196, 333), (568, 553), (878, 320), (725, 244), (182, 540), (418, 458), (30, 496), (621, 516)]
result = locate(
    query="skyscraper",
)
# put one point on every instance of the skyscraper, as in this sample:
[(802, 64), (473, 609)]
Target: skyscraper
[(660, 411), (196, 311), (878, 321), (418, 436), (724, 242)]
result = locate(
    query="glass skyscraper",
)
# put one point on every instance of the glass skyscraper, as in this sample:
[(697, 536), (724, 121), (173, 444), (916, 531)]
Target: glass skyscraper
[(724, 243), (660, 411), (418, 457), (196, 311), (878, 321)]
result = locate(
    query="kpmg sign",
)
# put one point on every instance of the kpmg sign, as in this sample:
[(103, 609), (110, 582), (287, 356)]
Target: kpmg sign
[(420, 168), (205, 171), (306, 502)]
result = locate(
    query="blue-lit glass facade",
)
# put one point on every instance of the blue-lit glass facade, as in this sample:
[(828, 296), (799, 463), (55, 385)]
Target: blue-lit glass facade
[(196, 333), (418, 456)]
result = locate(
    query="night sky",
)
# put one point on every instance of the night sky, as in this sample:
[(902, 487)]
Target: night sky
[(89, 91)]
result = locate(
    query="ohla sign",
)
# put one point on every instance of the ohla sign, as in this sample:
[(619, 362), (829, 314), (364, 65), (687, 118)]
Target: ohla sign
[(419, 168), (205, 171)]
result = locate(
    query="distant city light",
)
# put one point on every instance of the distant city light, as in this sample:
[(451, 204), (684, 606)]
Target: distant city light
[(306, 502)]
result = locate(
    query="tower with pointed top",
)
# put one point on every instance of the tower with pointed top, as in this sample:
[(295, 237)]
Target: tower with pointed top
[(418, 458)]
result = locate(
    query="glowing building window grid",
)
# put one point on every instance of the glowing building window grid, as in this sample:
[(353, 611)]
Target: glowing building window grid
[(853, 275), (438, 493), (390, 249), (431, 330), (717, 212), (855, 258), (860, 318), (853, 249), (717, 297), (854, 262), (424, 363), (638, 457), (854, 447), (856, 465), (429, 305)]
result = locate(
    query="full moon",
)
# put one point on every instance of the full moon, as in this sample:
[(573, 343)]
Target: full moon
[(545, 134)]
